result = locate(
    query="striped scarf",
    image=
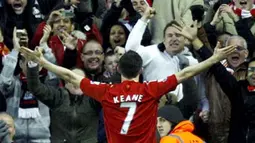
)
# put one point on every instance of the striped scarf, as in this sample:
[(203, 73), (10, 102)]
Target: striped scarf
[(242, 12)]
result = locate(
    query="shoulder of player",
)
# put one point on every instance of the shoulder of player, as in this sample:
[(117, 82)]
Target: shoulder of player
[(155, 81), (101, 83)]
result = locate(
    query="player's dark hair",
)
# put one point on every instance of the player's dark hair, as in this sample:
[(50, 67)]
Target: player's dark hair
[(130, 64)]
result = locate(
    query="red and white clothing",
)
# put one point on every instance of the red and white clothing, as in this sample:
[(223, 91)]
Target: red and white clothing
[(130, 108), (242, 12)]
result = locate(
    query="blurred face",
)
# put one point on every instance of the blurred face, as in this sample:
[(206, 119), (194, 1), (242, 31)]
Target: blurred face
[(10, 123), (62, 24), (117, 36), (108, 4), (173, 41), (72, 89), (18, 5), (239, 56), (244, 4), (251, 74), (111, 63), (163, 126), (119, 51), (139, 6), (92, 56)]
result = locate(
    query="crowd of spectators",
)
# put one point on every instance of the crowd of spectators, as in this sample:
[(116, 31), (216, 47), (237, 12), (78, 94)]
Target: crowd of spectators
[(90, 36)]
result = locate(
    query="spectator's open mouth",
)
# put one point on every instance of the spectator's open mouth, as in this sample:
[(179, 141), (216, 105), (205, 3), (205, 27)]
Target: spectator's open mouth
[(174, 44), (140, 10), (235, 59), (18, 7), (93, 63), (243, 3), (62, 29), (117, 41)]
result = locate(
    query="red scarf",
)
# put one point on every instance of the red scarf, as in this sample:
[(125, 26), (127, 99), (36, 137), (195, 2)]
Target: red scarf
[(251, 88), (242, 13)]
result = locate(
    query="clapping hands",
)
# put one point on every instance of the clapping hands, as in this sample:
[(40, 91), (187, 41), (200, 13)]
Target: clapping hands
[(46, 34), (69, 40)]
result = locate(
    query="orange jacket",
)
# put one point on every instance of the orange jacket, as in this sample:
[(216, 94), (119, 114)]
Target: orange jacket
[(182, 134)]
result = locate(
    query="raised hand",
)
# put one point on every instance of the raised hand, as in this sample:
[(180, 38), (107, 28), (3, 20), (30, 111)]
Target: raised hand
[(148, 14), (69, 41), (189, 32), (217, 47), (15, 39), (224, 8), (222, 53), (31, 55), (217, 18), (46, 34)]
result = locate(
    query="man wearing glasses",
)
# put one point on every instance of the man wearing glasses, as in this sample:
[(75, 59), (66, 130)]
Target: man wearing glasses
[(233, 62), (241, 94), (92, 57)]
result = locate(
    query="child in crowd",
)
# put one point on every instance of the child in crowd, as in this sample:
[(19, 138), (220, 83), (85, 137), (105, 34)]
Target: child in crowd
[(110, 64)]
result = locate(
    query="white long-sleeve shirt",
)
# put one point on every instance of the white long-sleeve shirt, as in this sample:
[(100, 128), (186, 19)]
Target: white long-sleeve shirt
[(157, 65)]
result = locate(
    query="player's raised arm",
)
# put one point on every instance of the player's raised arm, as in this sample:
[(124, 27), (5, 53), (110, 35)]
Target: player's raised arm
[(63, 73), (95, 90), (190, 32), (136, 35), (200, 67)]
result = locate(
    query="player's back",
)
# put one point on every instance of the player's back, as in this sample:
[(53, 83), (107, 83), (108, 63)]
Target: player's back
[(130, 108), (130, 112)]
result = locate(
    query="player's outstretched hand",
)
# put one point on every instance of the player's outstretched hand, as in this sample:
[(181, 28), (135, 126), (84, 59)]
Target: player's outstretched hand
[(222, 53), (35, 55)]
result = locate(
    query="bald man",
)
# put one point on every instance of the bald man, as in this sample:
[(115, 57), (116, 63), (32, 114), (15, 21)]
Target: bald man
[(7, 130)]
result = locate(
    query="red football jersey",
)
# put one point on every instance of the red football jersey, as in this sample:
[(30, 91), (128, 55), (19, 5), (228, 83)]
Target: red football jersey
[(130, 108)]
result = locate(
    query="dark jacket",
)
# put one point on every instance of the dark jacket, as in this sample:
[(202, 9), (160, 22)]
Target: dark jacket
[(73, 118), (249, 102), (212, 34), (235, 93), (2, 103)]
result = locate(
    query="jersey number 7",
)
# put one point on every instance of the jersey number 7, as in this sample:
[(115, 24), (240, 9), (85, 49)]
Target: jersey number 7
[(130, 115)]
